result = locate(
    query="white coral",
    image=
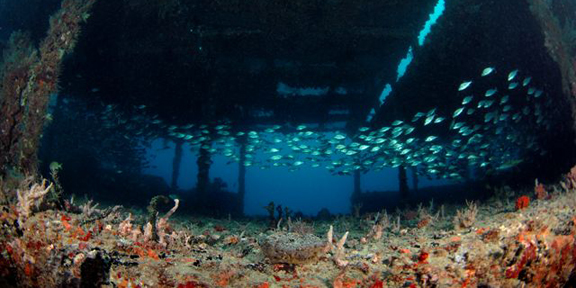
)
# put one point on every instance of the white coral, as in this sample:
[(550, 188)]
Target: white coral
[(162, 226), (125, 227), (465, 218), (29, 198)]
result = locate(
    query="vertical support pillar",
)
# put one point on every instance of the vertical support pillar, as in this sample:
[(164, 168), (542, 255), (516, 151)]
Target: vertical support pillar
[(242, 176), (403, 183), (357, 189), (203, 163), (176, 165), (355, 199), (414, 178)]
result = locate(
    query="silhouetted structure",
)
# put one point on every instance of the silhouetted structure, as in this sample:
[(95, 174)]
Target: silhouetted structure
[(176, 164)]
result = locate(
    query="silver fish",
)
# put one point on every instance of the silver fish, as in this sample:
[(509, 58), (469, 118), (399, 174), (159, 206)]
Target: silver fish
[(430, 138), (491, 92), (512, 75), (457, 112), (538, 93), (436, 121), (512, 85), (487, 71), (464, 85)]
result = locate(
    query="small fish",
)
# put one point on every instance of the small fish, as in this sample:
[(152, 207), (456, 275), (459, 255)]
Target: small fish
[(458, 125), (491, 92), (526, 111), (276, 157), (509, 164), (526, 81), (504, 99), (436, 121), (301, 127), (531, 90), (417, 116), (396, 132), (430, 138), (464, 85), (512, 75), (465, 131), (339, 137), (506, 108), (470, 111), (538, 93), (467, 100), (428, 120), (55, 166), (363, 129), (363, 147), (457, 112), (397, 122), (512, 85), (487, 71)]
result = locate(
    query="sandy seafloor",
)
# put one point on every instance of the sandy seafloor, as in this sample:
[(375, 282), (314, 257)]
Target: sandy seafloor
[(504, 243)]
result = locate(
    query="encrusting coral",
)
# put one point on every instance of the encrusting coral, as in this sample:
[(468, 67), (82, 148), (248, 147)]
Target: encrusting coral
[(28, 77)]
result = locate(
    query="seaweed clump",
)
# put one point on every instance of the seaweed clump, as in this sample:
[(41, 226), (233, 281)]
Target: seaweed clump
[(153, 214)]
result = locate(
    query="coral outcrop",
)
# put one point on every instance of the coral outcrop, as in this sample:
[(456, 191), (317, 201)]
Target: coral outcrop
[(292, 248)]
